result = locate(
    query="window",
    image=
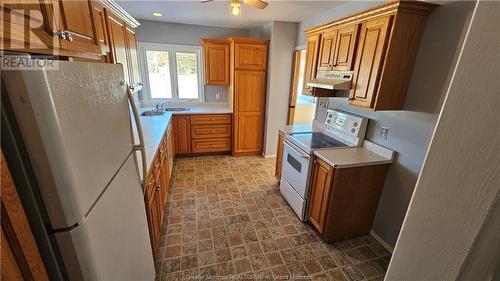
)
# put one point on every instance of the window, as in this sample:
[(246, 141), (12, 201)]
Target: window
[(171, 72)]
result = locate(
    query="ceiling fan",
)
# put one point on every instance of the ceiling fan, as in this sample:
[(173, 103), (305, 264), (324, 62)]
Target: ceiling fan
[(236, 5)]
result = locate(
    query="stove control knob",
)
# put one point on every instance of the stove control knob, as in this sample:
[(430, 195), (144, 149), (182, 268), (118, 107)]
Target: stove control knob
[(353, 131), (355, 124), (328, 121), (330, 115)]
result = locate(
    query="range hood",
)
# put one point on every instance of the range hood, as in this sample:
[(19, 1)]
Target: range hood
[(332, 80)]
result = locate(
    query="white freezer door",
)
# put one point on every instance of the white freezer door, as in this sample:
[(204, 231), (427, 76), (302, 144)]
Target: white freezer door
[(113, 243), (76, 126)]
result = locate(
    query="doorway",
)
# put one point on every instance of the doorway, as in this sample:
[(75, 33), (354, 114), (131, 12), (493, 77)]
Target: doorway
[(301, 107)]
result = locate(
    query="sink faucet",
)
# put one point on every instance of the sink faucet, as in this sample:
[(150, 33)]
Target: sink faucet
[(160, 105)]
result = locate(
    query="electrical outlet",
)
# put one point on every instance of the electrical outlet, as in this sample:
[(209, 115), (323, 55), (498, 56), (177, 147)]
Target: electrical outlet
[(384, 132), (217, 96)]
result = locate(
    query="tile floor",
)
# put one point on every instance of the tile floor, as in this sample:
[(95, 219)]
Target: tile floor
[(226, 220)]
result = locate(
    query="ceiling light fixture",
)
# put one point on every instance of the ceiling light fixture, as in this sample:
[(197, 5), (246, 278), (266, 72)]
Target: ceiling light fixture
[(235, 8), (157, 14)]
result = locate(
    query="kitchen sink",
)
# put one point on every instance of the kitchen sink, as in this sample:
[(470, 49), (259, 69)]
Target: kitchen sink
[(152, 113), (177, 109)]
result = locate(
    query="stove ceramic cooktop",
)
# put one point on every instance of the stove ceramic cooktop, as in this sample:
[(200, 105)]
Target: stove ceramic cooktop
[(317, 140)]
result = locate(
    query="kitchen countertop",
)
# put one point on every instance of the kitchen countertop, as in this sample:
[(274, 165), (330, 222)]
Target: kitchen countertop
[(291, 129), (366, 155), (154, 127)]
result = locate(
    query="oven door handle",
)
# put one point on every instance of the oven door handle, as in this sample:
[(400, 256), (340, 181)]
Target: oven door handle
[(297, 150)]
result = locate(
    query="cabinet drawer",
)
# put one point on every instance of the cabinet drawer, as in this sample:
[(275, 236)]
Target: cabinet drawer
[(211, 145), (210, 131), (210, 119)]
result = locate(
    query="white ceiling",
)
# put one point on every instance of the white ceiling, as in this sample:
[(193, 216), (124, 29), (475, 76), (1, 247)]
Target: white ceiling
[(216, 13)]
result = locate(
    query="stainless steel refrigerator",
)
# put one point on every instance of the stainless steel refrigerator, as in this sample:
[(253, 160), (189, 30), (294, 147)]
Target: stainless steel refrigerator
[(75, 124)]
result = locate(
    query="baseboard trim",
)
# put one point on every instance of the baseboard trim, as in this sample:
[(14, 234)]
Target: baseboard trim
[(382, 242), (269, 156)]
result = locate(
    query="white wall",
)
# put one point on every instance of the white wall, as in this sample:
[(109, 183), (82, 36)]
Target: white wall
[(449, 232), (410, 129), (187, 34), (283, 38)]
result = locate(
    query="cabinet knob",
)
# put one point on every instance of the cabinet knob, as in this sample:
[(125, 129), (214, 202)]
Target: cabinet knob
[(68, 36), (58, 34)]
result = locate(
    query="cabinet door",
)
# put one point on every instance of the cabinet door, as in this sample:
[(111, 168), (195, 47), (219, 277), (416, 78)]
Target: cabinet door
[(133, 61), (248, 133), (250, 91), (279, 155), (78, 20), (320, 194), (100, 27), (25, 28), (182, 135), (164, 173), (346, 43), (216, 63), (170, 148), (328, 43), (152, 213), (250, 56), (117, 34), (369, 61), (311, 61)]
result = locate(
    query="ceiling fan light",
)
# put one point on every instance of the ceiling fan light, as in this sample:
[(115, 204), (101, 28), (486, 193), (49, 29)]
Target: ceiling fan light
[(235, 8)]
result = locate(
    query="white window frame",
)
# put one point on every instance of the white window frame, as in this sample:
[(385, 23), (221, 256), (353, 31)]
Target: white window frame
[(171, 49)]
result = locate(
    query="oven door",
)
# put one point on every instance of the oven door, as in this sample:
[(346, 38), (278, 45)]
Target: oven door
[(296, 166)]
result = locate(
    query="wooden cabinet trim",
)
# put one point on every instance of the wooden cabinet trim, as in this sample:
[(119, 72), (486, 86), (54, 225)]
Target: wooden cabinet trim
[(390, 8)]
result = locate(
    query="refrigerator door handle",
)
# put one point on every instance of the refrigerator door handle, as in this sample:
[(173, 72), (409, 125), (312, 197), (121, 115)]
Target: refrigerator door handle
[(140, 146)]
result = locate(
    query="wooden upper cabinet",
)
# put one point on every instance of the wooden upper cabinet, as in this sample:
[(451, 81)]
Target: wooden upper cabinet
[(250, 56), (320, 194), (379, 45), (182, 127), (134, 73), (78, 23), (328, 43), (100, 27), (25, 28), (311, 59), (118, 39), (216, 55), (346, 43), (370, 55)]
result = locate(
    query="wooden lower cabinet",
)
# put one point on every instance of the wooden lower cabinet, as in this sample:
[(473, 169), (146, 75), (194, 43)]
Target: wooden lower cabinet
[(343, 202), (202, 133), (320, 194), (157, 185), (248, 133), (279, 155), (182, 127)]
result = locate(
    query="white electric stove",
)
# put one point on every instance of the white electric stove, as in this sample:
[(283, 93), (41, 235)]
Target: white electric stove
[(342, 130)]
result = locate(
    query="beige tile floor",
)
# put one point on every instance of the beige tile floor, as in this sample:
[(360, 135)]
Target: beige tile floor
[(226, 220)]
